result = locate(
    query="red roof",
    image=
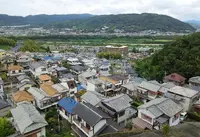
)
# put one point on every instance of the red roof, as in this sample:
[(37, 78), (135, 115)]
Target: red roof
[(175, 77)]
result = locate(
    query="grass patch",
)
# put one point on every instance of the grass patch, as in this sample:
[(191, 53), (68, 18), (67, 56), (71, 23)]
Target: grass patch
[(5, 47)]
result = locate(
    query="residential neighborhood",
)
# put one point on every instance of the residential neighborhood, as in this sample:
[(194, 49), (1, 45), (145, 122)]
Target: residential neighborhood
[(88, 96)]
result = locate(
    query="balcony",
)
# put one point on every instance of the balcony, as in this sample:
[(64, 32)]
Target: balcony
[(81, 125)]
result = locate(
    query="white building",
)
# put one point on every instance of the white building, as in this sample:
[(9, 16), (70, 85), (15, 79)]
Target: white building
[(184, 96), (38, 68), (156, 113), (73, 61)]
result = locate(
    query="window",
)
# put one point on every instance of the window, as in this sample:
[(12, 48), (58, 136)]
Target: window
[(146, 117), (43, 69)]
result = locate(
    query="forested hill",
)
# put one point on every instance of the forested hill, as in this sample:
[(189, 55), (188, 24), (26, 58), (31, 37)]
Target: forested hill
[(182, 56), (42, 19), (129, 23), (109, 23)]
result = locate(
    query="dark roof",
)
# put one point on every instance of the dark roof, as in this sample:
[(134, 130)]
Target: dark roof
[(175, 77), (118, 77), (88, 113), (35, 65), (78, 68), (3, 104), (68, 104)]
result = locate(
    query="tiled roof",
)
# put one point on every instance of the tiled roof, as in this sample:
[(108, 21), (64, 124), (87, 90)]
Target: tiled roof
[(175, 77), (20, 96), (15, 67), (44, 77), (48, 89), (68, 104)]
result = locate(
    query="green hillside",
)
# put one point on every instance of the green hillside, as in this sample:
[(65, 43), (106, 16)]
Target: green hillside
[(181, 56)]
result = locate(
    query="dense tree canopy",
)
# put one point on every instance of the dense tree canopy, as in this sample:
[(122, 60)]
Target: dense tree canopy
[(182, 56), (6, 128), (7, 41), (30, 45)]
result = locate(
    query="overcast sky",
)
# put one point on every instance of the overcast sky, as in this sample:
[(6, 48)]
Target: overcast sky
[(181, 9)]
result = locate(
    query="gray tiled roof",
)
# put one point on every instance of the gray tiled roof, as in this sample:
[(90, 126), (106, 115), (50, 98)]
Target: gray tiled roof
[(35, 65), (3, 104), (119, 102), (22, 77), (27, 118), (24, 83), (149, 86), (161, 106), (88, 113), (195, 79), (92, 97)]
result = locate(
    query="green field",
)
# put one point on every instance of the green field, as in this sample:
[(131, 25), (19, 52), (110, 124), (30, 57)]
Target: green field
[(5, 47)]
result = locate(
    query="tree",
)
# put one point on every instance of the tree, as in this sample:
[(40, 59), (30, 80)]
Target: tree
[(30, 45), (6, 128), (165, 130)]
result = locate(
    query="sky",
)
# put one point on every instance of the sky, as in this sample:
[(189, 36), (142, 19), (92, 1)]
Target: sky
[(181, 9)]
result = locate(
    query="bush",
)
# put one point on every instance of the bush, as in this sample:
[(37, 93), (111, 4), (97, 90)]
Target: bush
[(194, 115)]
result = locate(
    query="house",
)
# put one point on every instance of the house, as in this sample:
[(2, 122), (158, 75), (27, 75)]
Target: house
[(177, 79), (130, 88), (112, 85), (61, 71), (7, 60), (87, 75), (119, 108), (73, 61), (77, 69), (147, 91), (25, 85), (65, 106), (27, 121), (194, 81), (165, 87), (44, 78), (23, 78), (4, 108), (71, 86), (95, 85), (89, 121), (50, 91), (42, 99), (63, 90), (184, 96), (21, 96), (15, 70), (92, 97), (38, 68), (157, 112), (1, 88)]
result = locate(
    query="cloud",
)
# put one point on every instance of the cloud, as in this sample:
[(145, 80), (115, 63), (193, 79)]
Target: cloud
[(181, 9)]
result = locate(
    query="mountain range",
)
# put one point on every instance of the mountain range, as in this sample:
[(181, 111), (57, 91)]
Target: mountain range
[(194, 23), (108, 23)]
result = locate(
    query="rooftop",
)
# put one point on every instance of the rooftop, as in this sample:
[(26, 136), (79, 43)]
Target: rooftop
[(195, 79), (27, 118), (44, 77), (48, 89), (186, 92), (68, 104), (21, 96), (175, 77), (15, 67)]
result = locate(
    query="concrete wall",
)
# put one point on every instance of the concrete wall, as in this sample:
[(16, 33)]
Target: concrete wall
[(144, 111)]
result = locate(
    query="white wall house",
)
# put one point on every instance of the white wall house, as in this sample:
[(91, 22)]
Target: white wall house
[(87, 120), (38, 68), (73, 61), (157, 113), (184, 96)]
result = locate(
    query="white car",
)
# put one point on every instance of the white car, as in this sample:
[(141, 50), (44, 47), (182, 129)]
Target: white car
[(183, 116)]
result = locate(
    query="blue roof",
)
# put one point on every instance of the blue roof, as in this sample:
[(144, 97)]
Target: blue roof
[(68, 104), (80, 87), (47, 58)]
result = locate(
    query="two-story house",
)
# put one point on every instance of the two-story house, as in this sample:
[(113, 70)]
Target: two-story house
[(27, 121), (177, 79), (65, 106), (157, 112), (87, 75), (184, 96), (147, 91), (15, 70), (73, 61), (89, 121), (24, 82), (112, 85), (38, 68), (77, 69), (44, 78), (46, 96), (119, 108)]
